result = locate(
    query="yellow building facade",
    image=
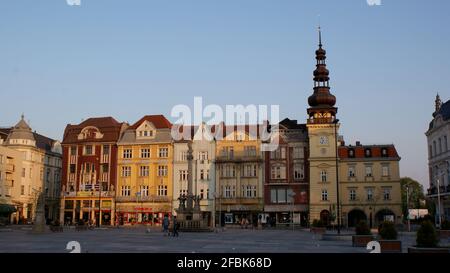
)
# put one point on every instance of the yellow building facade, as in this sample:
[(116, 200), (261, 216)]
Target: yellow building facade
[(239, 176), (145, 172)]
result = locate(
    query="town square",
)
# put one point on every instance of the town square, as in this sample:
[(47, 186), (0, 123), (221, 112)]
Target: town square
[(304, 127)]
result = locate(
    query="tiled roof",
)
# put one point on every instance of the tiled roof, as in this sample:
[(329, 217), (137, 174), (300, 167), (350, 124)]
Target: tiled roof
[(159, 121), (444, 112), (376, 151), (108, 126)]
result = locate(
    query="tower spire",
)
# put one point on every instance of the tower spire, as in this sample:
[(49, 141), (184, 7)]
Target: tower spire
[(322, 102), (320, 37), (437, 103)]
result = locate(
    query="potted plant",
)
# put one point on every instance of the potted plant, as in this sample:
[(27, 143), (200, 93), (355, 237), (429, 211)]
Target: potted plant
[(318, 227), (427, 240), (388, 238), (363, 235)]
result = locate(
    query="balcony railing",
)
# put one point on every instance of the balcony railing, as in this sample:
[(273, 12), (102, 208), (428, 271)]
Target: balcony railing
[(238, 157), (152, 198), (88, 194), (442, 189)]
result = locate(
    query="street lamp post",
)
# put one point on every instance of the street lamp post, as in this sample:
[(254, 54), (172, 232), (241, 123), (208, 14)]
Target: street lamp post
[(336, 122), (407, 208)]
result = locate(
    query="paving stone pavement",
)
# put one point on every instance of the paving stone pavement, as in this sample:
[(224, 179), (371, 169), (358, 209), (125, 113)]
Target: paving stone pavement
[(138, 240)]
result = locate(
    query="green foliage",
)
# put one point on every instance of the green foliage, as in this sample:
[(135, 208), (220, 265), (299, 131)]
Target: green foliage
[(362, 229), (426, 235), (387, 231), (445, 225), (318, 223), (416, 194)]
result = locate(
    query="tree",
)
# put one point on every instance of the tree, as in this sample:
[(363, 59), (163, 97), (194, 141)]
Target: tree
[(416, 195)]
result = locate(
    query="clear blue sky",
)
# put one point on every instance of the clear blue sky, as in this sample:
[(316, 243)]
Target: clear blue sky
[(60, 64)]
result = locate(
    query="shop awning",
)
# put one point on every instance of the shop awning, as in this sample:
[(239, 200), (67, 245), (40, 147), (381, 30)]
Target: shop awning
[(6, 208)]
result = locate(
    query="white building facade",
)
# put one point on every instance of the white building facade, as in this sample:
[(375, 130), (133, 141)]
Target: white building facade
[(438, 135), (203, 152)]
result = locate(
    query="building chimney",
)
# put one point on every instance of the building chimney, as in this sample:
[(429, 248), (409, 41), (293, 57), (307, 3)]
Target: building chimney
[(358, 143)]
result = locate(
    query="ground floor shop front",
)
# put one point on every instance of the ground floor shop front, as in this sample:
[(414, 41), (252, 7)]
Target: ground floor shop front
[(148, 213), (87, 210), (244, 216), (285, 215)]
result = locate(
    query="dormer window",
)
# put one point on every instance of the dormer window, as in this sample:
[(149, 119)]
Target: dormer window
[(384, 152), (351, 153), (368, 152), (145, 131)]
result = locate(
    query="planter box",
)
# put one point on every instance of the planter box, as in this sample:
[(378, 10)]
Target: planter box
[(390, 246), (318, 230), (437, 250), (444, 234), (361, 240)]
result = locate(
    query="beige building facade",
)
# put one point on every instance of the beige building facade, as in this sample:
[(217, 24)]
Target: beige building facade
[(40, 171), (369, 180)]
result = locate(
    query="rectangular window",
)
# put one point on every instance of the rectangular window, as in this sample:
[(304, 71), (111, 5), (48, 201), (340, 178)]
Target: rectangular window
[(203, 155), (323, 176), (73, 150), (298, 152), (126, 171), (72, 168), (22, 190), (385, 170), (227, 190), (250, 151), (278, 172), (23, 172), (273, 196), (144, 171), (163, 152), (368, 171), (88, 150), (202, 174), (126, 190), (324, 195), (184, 156), (387, 194), (352, 195), (106, 149), (351, 172), (105, 168), (183, 175), (369, 194), (162, 190), (299, 172), (145, 153), (144, 190), (281, 196), (162, 170), (127, 153)]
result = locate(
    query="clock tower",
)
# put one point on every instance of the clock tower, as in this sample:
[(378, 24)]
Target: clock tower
[(322, 129)]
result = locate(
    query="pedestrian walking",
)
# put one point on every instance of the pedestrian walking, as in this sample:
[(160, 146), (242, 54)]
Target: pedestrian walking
[(166, 225), (175, 227)]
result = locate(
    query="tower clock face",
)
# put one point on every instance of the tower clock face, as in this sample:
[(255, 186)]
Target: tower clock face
[(323, 140)]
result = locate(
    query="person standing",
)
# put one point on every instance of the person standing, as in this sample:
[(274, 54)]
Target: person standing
[(175, 227)]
